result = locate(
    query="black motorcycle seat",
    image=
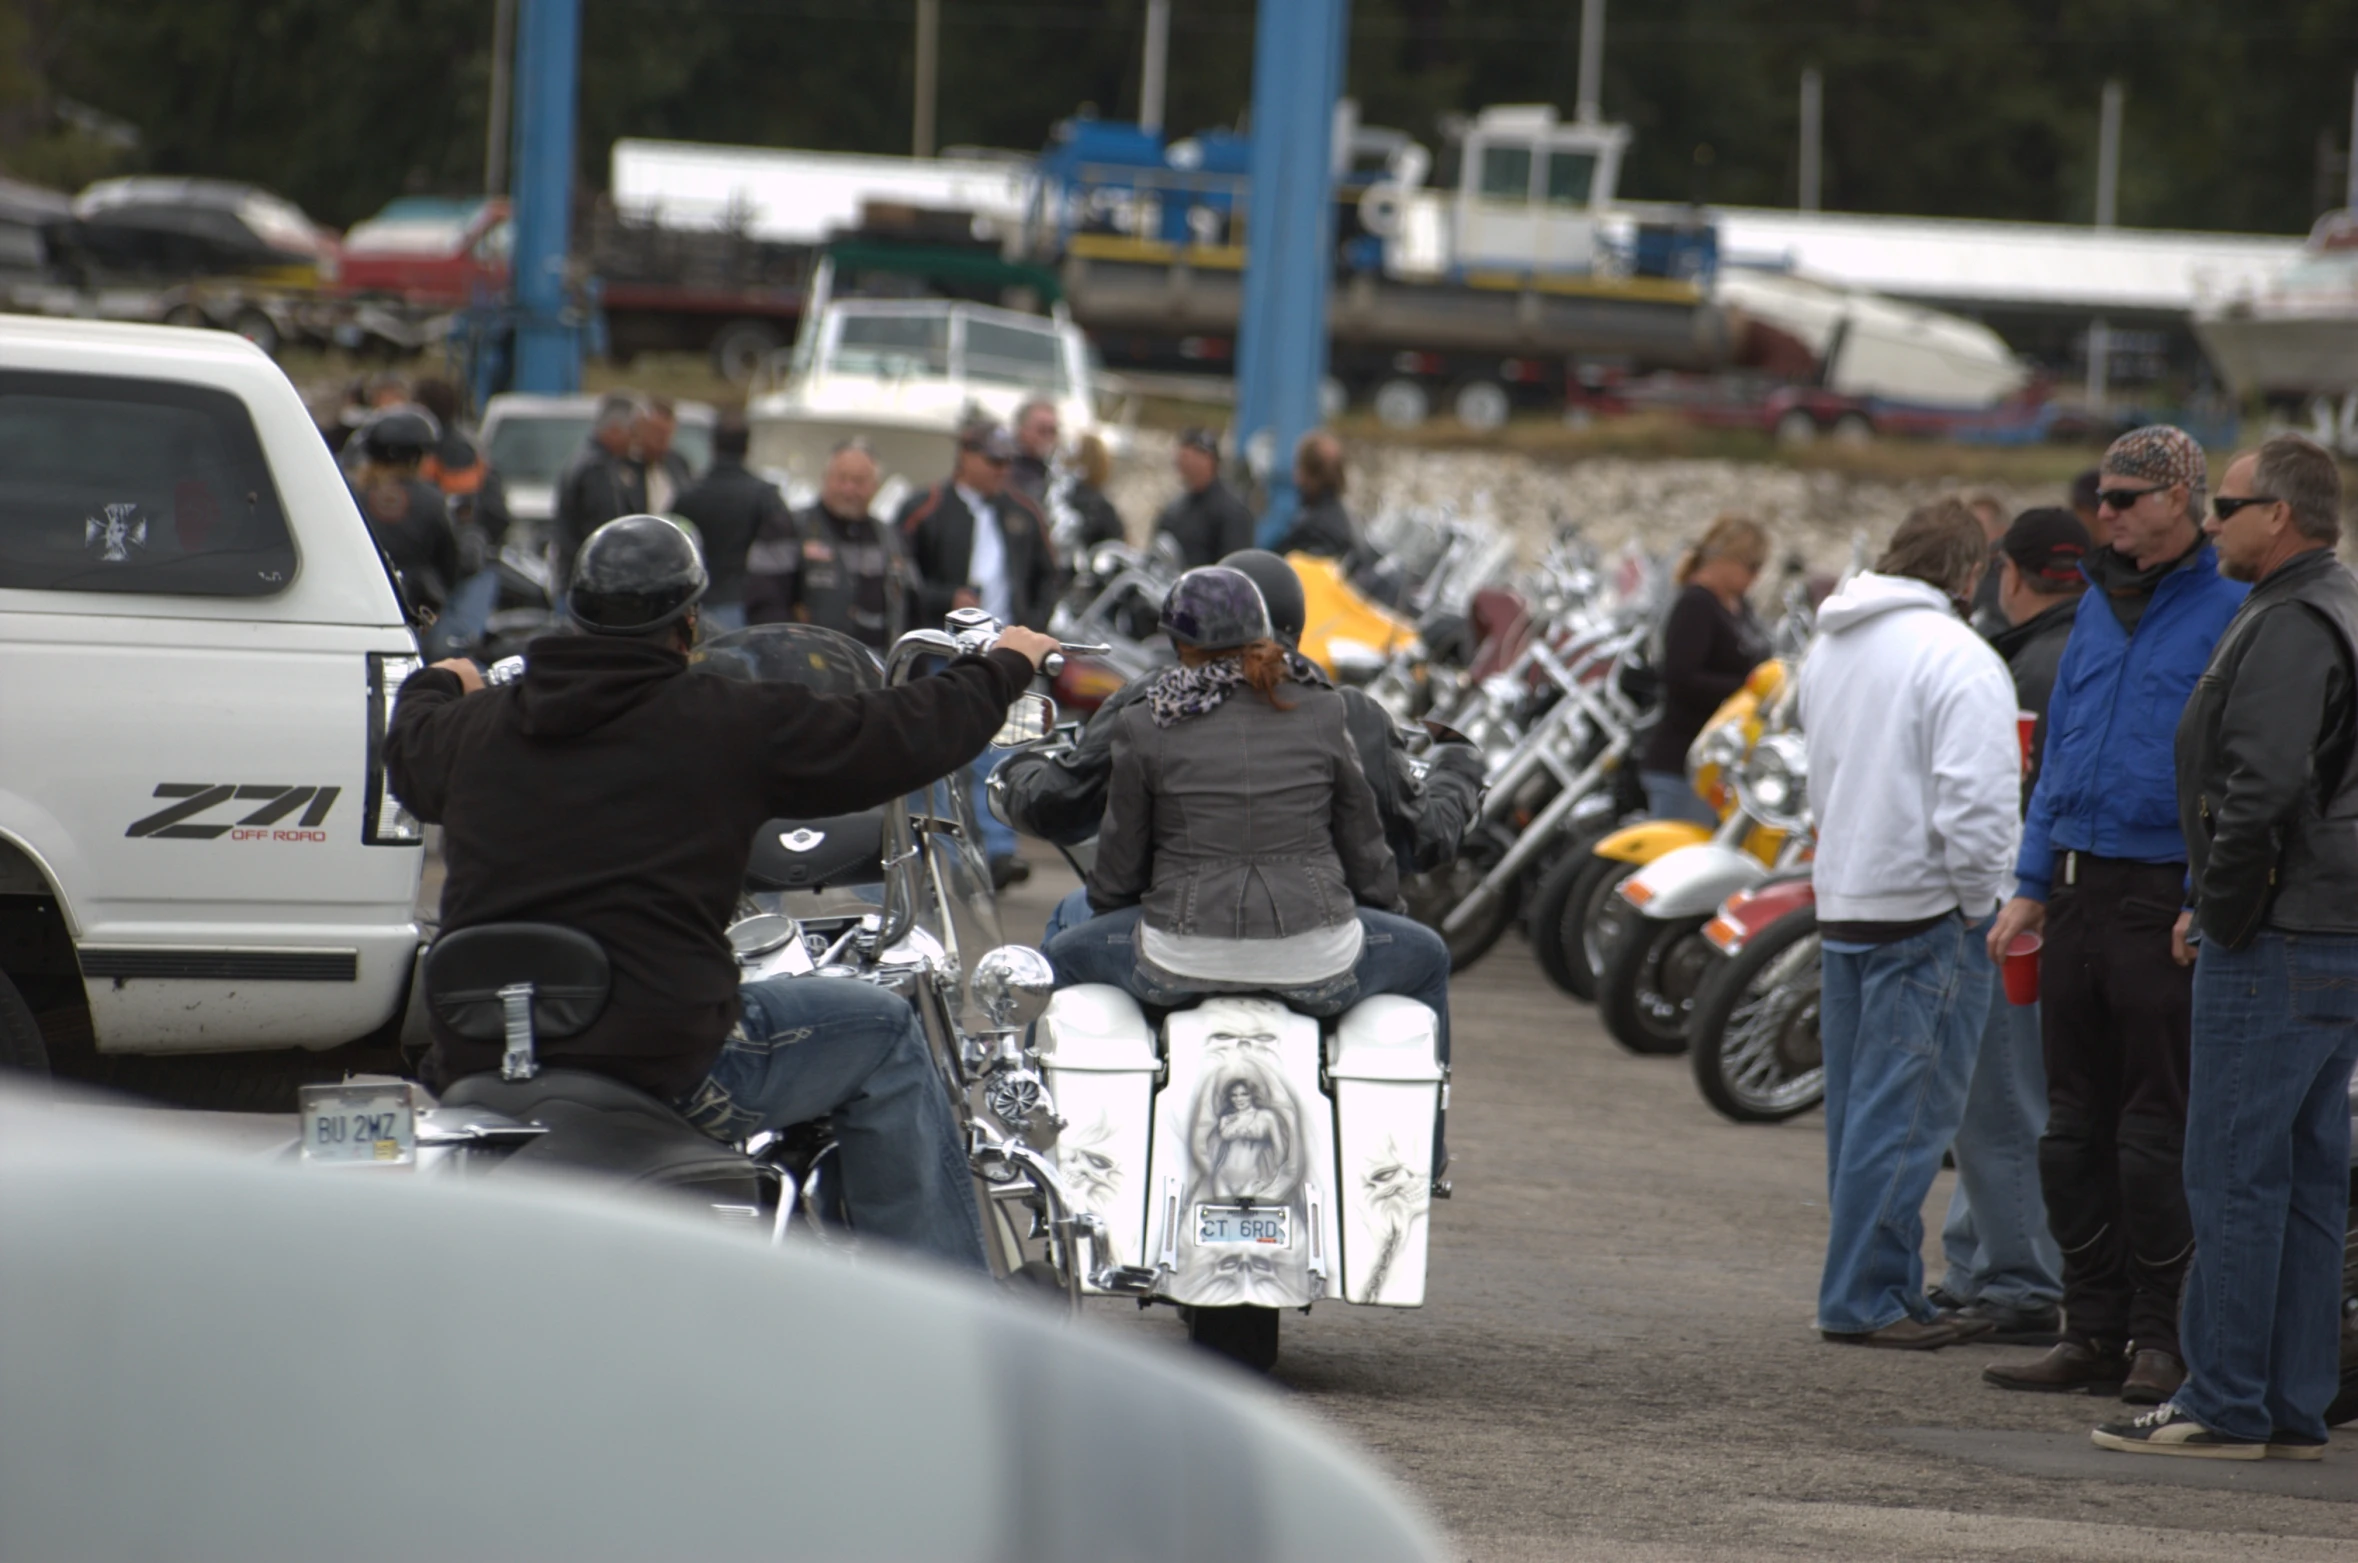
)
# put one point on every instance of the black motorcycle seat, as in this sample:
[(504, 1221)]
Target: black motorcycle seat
[(601, 1126), (811, 854), (465, 969)]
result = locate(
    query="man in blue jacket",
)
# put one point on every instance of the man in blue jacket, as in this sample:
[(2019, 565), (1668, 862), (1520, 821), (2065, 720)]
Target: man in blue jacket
[(2103, 873)]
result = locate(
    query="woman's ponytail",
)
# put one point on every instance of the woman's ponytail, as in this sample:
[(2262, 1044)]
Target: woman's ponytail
[(1264, 668)]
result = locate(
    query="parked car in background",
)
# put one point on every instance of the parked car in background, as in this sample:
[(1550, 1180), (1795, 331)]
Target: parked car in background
[(529, 439), (430, 251), (173, 229)]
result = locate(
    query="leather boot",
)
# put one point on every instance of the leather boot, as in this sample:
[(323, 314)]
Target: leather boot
[(2153, 1378), (2067, 1368), (1906, 1335)]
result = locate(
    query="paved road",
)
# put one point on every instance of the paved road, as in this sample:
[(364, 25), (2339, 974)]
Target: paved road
[(1617, 1360)]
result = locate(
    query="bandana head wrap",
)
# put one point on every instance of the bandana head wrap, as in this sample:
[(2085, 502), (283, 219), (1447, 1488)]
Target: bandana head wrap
[(2160, 453)]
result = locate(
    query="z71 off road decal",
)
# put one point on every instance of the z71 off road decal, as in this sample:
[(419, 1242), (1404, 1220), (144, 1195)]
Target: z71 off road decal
[(267, 823)]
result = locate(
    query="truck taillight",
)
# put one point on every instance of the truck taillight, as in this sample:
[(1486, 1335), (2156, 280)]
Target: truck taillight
[(386, 823)]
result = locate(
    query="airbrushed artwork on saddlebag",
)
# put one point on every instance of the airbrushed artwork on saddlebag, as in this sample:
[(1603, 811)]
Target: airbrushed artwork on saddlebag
[(1244, 1158)]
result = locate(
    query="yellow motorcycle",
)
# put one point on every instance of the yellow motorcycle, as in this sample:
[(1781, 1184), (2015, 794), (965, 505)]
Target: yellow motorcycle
[(1571, 926)]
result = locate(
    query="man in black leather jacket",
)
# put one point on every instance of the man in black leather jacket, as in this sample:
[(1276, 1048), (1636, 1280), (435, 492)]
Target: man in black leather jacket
[(1063, 797), (2268, 799)]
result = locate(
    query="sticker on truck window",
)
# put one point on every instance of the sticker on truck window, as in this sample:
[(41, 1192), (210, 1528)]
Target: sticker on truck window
[(275, 820)]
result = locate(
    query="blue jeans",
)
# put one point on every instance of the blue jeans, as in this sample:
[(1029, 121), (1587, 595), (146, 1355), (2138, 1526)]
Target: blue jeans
[(464, 613), (1070, 912), (1996, 1238), (812, 1046), (1900, 1023), (998, 837), (1670, 796), (1399, 955), (2268, 1182)]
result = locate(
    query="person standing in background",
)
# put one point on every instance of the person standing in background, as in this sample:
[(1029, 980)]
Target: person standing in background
[(2268, 801), (730, 506), (1915, 778), (1099, 521), (1036, 439), (663, 470), (1988, 617), (2084, 488), (2004, 1271), (2103, 873), (1321, 526), (478, 505), (599, 485), (1710, 644), (1207, 522), (832, 563)]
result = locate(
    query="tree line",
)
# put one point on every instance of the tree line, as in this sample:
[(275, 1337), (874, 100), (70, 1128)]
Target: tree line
[(2237, 116)]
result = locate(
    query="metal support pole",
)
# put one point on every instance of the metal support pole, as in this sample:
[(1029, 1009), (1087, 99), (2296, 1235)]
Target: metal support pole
[(548, 69), (495, 118), (2350, 163), (929, 54), (1813, 112), (1592, 61), (1281, 342), (2108, 192), (1155, 66)]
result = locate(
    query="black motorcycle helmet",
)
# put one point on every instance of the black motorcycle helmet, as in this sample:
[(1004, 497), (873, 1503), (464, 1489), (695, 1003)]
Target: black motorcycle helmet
[(1281, 590), (1215, 609), (634, 576), (401, 435)]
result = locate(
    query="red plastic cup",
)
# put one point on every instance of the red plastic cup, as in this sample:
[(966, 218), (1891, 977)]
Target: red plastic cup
[(2025, 724), (2021, 969)]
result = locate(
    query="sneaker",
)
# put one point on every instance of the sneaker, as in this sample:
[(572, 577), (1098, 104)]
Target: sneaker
[(2167, 1430), (2294, 1446)]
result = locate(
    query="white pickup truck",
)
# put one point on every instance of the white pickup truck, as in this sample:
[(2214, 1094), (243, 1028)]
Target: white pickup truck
[(199, 644)]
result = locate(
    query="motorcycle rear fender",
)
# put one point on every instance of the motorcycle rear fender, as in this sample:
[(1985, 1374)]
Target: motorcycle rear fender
[(1692, 881), (1747, 914), (1644, 842)]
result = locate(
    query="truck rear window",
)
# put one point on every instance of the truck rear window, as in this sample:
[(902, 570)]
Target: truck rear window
[(115, 485)]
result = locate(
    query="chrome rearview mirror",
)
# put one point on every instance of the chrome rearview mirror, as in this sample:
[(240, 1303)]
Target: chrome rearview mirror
[(1029, 720), (1012, 984)]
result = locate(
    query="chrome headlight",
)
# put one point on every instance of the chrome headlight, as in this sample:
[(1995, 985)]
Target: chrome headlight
[(1773, 781), (1721, 745)]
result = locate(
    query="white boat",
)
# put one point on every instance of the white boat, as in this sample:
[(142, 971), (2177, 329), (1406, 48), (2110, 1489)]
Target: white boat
[(904, 374), (2295, 335)]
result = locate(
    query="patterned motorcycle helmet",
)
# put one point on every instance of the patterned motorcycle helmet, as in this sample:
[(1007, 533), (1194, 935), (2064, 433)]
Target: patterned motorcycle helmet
[(1215, 609)]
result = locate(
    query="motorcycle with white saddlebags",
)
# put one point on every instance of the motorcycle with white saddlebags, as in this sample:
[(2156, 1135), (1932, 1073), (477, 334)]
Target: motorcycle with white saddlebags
[(1241, 1158)]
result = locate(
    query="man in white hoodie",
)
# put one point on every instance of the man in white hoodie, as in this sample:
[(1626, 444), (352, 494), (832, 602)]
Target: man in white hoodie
[(1915, 782)]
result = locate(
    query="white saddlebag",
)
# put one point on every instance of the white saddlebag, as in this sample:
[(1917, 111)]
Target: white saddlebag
[(1242, 1181), (1386, 1073), (1099, 1056)]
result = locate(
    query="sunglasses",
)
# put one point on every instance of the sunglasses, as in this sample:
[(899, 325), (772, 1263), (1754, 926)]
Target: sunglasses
[(2123, 498), (2224, 507)]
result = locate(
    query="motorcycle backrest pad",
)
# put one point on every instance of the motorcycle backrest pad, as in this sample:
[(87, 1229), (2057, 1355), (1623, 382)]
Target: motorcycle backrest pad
[(466, 969), (810, 854)]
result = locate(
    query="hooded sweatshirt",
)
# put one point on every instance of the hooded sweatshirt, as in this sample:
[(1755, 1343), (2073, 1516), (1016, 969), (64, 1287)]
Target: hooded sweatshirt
[(611, 792), (1914, 764)]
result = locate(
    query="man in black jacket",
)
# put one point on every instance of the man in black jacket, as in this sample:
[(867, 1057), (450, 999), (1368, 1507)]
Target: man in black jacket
[(1321, 526), (610, 792), (975, 542), (1063, 798), (1208, 522), (730, 505), (2268, 799), (832, 563), (600, 483), (2005, 1273)]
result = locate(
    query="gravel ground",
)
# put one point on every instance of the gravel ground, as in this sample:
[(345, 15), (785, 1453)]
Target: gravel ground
[(1617, 1359)]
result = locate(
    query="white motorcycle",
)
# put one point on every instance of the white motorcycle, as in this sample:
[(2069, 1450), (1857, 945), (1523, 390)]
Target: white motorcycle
[(1240, 1158)]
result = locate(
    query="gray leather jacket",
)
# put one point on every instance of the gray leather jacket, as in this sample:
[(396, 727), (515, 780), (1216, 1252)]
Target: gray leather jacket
[(1245, 823)]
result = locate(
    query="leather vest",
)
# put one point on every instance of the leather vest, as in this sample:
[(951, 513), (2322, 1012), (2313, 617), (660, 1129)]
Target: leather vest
[(2313, 885)]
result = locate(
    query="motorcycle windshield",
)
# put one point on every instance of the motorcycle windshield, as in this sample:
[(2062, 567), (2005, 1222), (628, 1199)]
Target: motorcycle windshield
[(823, 661)]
